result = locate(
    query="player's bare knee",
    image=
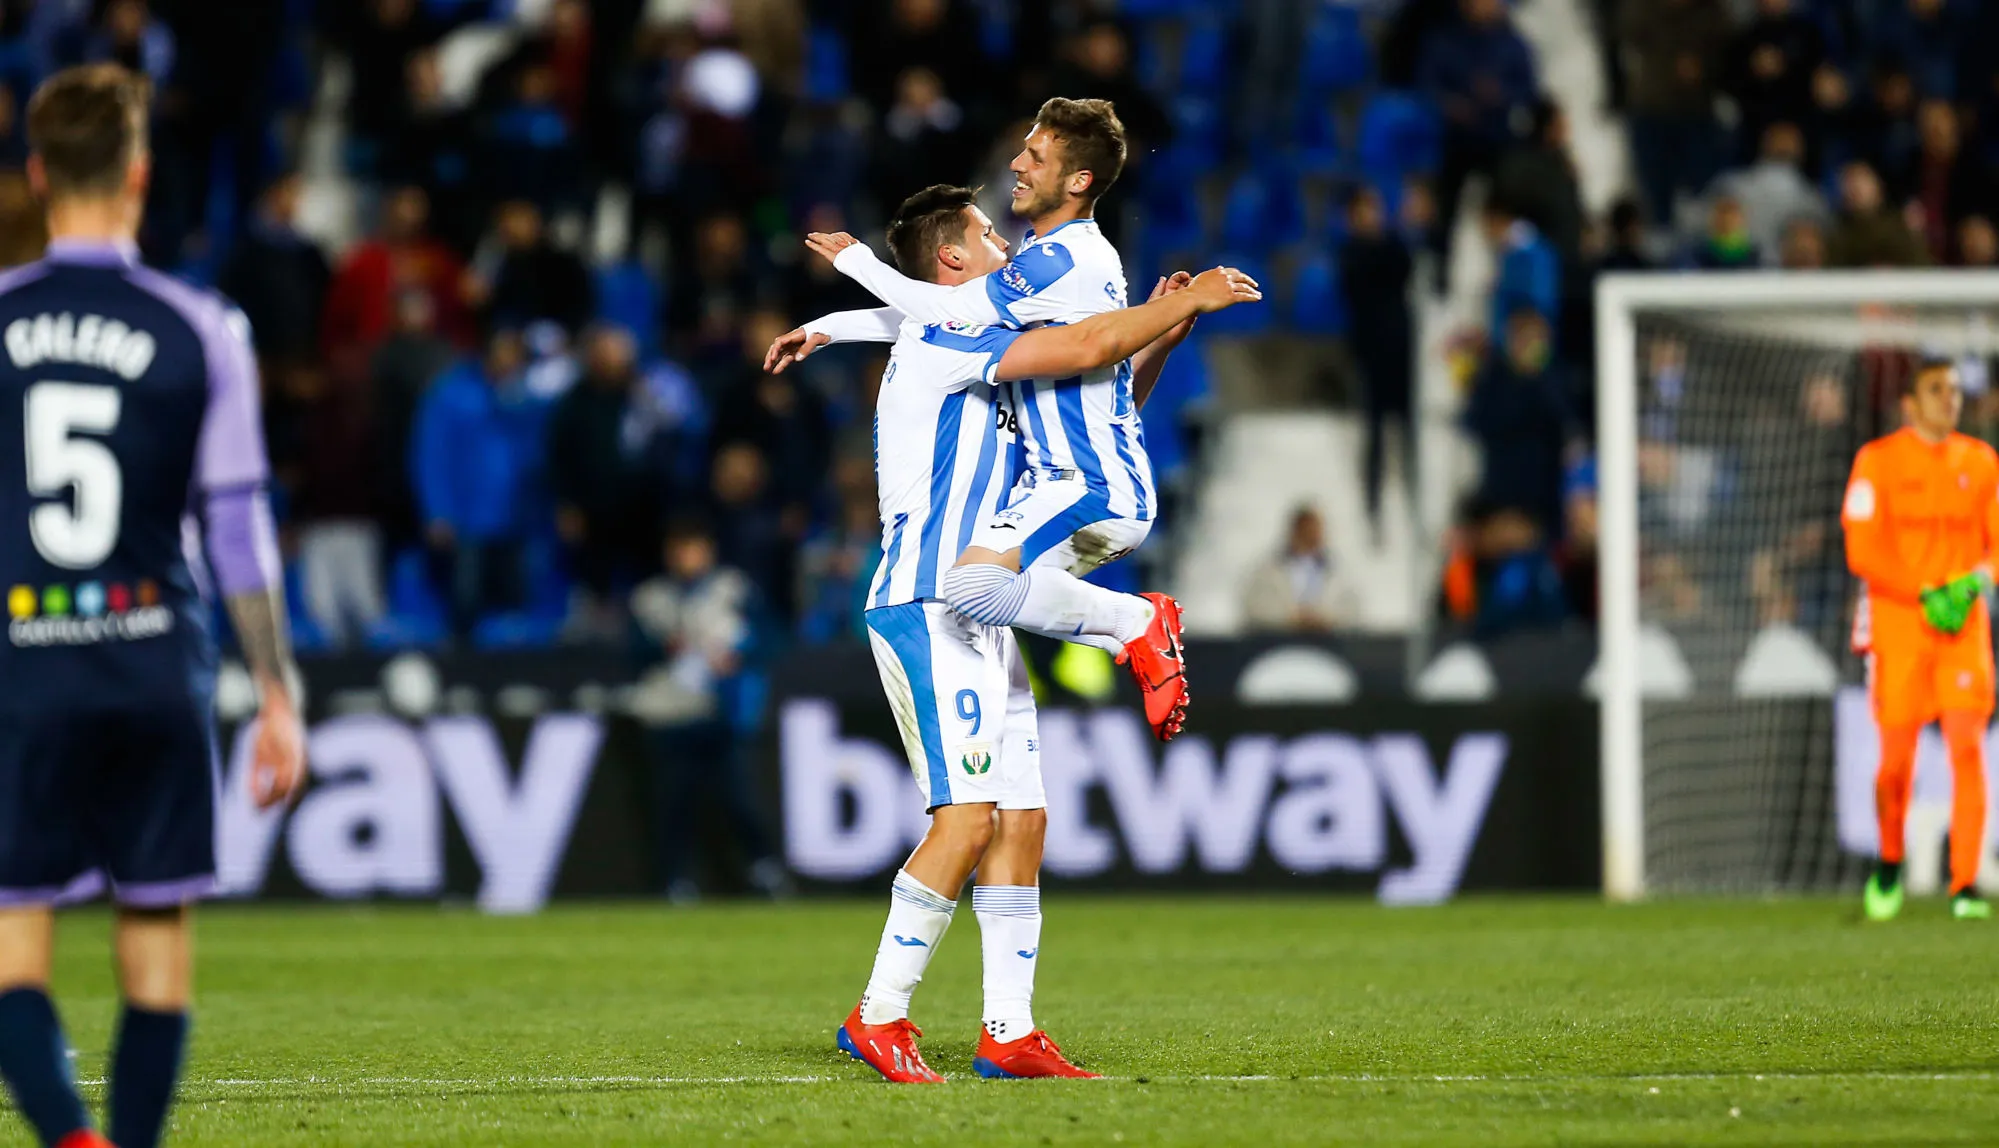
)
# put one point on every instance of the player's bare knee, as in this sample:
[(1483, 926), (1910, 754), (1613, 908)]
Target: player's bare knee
[(980, 556), (1023, 825), (964, 829), (26, 947), (154, 956)]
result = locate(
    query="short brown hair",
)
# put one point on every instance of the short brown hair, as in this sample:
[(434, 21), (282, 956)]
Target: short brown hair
[(1092, 139), (926, 221), (87, 123)]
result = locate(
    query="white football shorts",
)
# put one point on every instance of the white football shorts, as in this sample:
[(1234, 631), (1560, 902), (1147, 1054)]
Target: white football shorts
[(1064, 522), (961, 699)]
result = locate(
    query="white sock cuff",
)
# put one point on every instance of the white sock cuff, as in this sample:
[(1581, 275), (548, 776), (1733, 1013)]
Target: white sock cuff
[(1007, 900), (911, 891)]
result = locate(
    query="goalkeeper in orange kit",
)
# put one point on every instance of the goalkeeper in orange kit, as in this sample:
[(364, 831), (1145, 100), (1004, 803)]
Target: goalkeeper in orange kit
[(1922, 525)]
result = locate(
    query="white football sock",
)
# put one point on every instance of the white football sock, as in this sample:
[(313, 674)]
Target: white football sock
[(1010, 942), (1050, 601), (917, 918)]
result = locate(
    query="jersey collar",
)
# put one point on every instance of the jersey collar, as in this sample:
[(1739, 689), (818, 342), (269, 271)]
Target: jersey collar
[(93, 252), (1031, 238)]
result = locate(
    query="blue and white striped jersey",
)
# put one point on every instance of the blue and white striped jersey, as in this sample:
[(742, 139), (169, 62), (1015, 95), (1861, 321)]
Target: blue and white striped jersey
[(1088, 423), (944, 450)]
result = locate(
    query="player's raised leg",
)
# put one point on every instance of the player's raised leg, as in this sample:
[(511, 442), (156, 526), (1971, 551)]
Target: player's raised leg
[(34, 1054), (1024, 569)]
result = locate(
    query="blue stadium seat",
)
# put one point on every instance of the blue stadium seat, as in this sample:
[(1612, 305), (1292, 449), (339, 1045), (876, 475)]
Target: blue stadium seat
[(1316, 305), (1198, 127), (1399, 134), (307, 637), (627, 296), (1182, 383), (826, 66), (1316, 137), (414, 603), (1170, 191), (1263, 210), (1249, 318), (1336, 55), (515, 631), (1204, 53)]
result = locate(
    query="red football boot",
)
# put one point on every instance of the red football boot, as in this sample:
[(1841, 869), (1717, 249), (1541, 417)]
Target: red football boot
[(1031, 1055), (889, 1049), (1158, 666), (84, 1138)]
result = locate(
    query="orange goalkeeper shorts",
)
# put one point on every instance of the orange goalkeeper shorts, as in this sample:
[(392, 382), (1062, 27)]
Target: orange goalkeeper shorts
[(1916, 674)]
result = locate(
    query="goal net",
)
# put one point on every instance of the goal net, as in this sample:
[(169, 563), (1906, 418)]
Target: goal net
[(1737, 744)]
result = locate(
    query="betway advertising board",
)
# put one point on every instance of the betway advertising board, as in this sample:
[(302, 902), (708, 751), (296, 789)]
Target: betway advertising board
[(509, 805)]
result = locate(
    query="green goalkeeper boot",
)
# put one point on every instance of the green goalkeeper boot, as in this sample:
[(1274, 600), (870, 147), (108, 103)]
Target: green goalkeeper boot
[(1967, 905), (1883, 898)]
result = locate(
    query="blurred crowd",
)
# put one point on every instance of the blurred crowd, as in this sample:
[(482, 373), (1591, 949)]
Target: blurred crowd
[(577, 220)]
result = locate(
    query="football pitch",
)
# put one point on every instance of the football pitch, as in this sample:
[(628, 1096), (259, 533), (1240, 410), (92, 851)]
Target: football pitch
[(1218, 1020)]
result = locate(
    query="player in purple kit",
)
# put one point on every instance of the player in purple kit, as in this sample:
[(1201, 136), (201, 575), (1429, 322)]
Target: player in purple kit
[(135, 433)]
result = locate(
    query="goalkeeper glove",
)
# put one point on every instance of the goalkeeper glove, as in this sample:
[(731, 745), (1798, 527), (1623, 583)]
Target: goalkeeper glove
[(1942, 610), (1948, 607)]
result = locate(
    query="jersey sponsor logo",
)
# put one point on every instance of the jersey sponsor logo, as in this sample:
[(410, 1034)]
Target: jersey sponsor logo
[(90, 615), (1860, 500), (1015, 281), (1313, 802)]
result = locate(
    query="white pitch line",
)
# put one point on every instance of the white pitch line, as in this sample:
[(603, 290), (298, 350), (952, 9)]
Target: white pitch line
[(1208, 1078)]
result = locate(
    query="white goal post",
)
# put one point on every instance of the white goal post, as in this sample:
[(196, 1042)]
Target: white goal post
[(1810, 309)]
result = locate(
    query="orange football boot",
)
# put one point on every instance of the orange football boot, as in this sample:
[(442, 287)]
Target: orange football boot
[(1032, 1055), (889, 1049), (1158, 665)]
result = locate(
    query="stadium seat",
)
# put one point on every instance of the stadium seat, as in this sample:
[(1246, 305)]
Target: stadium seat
[(1399, 134), (1246, 320), (1262, 211), (1170, 189), (627, 296), (1337, 57), (1204, 52), (1316, 138), (1316, 305), (413, 602), (1198, 127), (826, 66), (515, 630)]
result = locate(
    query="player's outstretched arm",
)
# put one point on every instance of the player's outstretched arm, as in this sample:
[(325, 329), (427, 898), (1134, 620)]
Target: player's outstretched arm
[(878, 325), (923, 302), (1102, 340)]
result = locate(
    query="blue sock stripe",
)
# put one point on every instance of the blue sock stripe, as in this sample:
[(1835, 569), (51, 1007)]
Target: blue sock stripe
[(1023, 901), (907, 888), (988, 595)]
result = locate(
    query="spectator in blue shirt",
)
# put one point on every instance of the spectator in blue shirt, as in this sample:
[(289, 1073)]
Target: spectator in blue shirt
[(1480, 74), (467, 464), (1530, 271)]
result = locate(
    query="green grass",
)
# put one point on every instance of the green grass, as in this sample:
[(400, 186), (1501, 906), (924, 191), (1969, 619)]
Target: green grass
[(1490, 1022)]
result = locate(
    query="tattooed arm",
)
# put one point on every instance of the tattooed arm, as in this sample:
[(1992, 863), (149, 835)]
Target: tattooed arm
[(231, 469)]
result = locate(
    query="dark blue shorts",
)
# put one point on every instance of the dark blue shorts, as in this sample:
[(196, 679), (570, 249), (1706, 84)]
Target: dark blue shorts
[(94, 791)]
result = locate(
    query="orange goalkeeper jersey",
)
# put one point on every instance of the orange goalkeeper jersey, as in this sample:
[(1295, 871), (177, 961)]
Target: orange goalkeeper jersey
[(1916, 515)]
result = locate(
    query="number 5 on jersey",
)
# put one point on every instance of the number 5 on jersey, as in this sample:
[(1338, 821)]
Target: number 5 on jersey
[(79, 534)]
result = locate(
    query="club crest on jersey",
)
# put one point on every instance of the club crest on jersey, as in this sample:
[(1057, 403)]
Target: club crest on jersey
[(976, 760)]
